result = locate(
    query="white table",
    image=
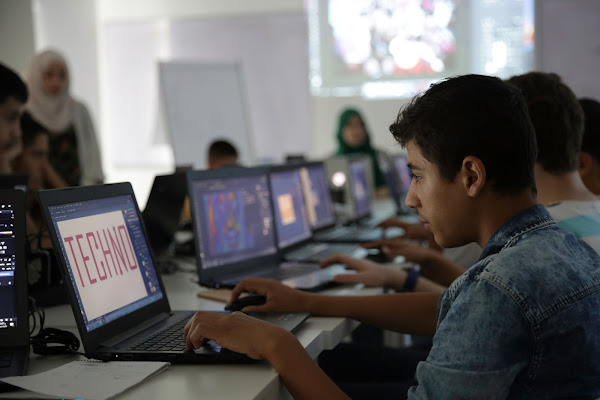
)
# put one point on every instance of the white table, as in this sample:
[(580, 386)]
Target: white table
[(248, 381)]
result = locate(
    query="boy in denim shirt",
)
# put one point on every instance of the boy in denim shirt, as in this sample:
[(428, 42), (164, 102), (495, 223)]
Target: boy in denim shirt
[(522, 323)]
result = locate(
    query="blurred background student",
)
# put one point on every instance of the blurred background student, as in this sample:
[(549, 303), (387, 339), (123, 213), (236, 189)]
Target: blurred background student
[(589, 157), (353, 138), (222, 153), (33, 161), (13, 95), (73, 145)]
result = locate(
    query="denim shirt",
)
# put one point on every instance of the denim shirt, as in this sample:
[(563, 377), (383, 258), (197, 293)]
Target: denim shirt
[(522, 323)]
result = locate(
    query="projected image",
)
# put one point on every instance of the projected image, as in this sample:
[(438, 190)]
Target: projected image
[(225, 214), (393, 38)]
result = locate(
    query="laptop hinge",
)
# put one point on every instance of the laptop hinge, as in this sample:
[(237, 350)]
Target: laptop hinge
[(134, 331)]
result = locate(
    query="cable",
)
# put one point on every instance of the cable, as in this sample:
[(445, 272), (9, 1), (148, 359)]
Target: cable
[(49, 341)]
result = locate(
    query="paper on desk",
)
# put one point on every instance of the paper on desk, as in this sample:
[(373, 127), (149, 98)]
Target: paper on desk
[(88, 379)]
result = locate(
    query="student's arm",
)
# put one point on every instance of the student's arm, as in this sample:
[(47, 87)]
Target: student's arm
[(261, 340), (52, 179), (413, 313), (372, 274), (434, 265)]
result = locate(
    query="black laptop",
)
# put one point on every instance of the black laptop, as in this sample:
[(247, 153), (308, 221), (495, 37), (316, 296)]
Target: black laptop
[(320, 206), (294, 234), (235, 232), (117, 296), (14, 316), (163, 211)]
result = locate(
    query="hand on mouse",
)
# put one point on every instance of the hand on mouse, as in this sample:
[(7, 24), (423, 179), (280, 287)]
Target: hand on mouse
[(237, 332), (280, 298), (411, 230), (369, 273)]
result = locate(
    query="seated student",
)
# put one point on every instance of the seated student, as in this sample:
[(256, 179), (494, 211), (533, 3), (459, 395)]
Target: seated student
[(558, 121), (13, 95), (501, 330), (222, 153), (33, 161), (589, 158)]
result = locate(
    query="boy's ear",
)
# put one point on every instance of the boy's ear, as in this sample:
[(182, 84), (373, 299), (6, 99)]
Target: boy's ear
[(585, 163), (473, 175)]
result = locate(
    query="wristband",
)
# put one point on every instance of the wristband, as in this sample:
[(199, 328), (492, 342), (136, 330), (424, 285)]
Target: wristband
[(412, 274)]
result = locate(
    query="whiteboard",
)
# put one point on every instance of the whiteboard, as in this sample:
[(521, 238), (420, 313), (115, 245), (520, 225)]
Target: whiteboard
[(204, 101)]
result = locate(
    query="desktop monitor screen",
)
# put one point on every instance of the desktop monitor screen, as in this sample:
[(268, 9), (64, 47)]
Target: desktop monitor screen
[(290, 210), (360, 187), (234, 219), (108, 260), (317, 197)]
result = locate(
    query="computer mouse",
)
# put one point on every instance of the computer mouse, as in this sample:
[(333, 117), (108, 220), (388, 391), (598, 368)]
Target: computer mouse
[(250, 300)]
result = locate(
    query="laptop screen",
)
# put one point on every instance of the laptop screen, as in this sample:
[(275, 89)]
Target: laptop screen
[(290, 211), (234, 219), (359, 187), (404, 174), (107, 257), (8, 290), (317, 197)]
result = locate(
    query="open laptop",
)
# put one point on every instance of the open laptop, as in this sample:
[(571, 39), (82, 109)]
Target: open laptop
[(322, 214), (118, 298), (14, 316), (235, 233), (163, 211), (293, 231), (400, 173)]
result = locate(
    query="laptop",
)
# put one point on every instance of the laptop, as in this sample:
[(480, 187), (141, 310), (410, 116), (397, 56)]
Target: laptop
[(118, 298), (294, 235), (235, 232), (163, 211), (322, 214), (401, 175), (14, 316)]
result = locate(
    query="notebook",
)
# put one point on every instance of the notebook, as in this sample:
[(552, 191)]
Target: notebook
[(14, 317), (321, 212), (118, 298), (163, 211), (235, 232), (294, 235)]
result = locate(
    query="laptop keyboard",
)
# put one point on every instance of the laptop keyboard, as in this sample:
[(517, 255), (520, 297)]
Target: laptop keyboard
[(288, 270), (319, 252), (168, 339)]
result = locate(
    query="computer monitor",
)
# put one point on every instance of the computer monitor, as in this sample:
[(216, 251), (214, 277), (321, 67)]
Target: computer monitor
[(105, 250), (291, 218), (403, 173), (319, 205), (233, 217)]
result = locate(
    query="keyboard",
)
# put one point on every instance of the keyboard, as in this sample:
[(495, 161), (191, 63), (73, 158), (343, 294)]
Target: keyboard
[(320, 251), (168, 339)]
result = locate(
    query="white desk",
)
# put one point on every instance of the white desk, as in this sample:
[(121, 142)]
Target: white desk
[(249, 381)]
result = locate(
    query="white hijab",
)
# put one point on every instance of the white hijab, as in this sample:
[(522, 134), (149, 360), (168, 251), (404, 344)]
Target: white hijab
[(54, 112)]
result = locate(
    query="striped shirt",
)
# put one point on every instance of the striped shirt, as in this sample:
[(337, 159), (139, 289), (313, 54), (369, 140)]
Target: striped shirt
[(582, 218)]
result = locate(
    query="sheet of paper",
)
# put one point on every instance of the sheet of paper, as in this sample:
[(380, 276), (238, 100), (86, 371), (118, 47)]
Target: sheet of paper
[(88, 380)]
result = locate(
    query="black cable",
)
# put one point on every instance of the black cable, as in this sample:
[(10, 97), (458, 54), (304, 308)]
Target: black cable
[(49, 341)]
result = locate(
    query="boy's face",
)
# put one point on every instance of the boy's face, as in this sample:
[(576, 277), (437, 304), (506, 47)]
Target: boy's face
[(442, 206), (10, 127)]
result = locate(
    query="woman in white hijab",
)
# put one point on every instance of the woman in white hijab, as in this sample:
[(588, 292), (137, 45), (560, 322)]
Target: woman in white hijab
[(73, 151)]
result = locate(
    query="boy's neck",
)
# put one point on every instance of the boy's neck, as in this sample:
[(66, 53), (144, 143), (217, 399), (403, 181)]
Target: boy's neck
[(501, 208), (554, 188)]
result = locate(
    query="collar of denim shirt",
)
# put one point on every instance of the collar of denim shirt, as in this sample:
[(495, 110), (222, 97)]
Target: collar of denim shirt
[(531, 218)]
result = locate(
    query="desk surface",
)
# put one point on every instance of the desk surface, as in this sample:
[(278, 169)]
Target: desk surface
[(253, 381)]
